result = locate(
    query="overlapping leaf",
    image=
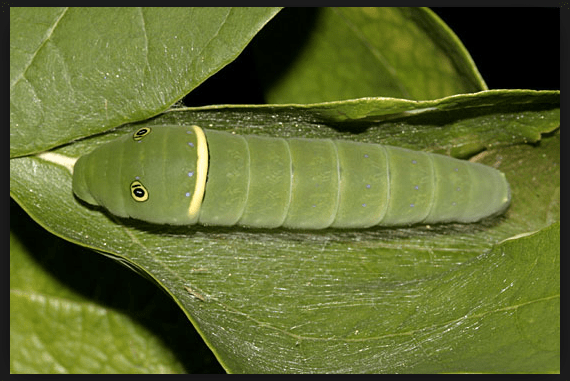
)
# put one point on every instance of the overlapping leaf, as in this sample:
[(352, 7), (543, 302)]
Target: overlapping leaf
[(80, 71)]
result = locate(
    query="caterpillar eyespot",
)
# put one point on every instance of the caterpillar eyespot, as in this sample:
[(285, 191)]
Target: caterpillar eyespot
[(141, 133), (185, 175), (138, 191)]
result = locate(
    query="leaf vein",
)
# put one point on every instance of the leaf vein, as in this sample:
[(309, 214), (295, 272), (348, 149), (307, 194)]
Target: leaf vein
[(145, 35), (48, 35)]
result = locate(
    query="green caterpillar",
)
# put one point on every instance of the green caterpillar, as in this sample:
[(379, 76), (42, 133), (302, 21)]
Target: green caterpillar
[(185, 175)]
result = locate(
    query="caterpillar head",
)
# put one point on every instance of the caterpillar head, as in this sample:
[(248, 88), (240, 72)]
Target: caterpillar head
[(157, 175)]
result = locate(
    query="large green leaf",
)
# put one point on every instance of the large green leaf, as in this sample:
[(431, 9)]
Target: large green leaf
[(310, 55), (98, 68), (288, 301), (64, 319)]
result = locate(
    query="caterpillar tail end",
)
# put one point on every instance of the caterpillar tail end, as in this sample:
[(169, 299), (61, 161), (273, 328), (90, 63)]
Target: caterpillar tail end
[(505, 196)]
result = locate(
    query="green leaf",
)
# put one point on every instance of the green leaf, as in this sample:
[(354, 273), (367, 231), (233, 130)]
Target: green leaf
[(333, 301), (79, 71), (310, 55), (74, 311), (498, 313)]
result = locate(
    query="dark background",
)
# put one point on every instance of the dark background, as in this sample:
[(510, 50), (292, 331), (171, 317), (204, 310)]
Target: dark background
[(513, 48)]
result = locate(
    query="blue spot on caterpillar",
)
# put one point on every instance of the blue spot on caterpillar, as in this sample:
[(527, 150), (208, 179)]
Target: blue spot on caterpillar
[(216, 178)]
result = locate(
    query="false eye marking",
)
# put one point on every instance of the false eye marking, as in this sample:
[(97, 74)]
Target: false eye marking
[(141, 133), (138, 191)]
